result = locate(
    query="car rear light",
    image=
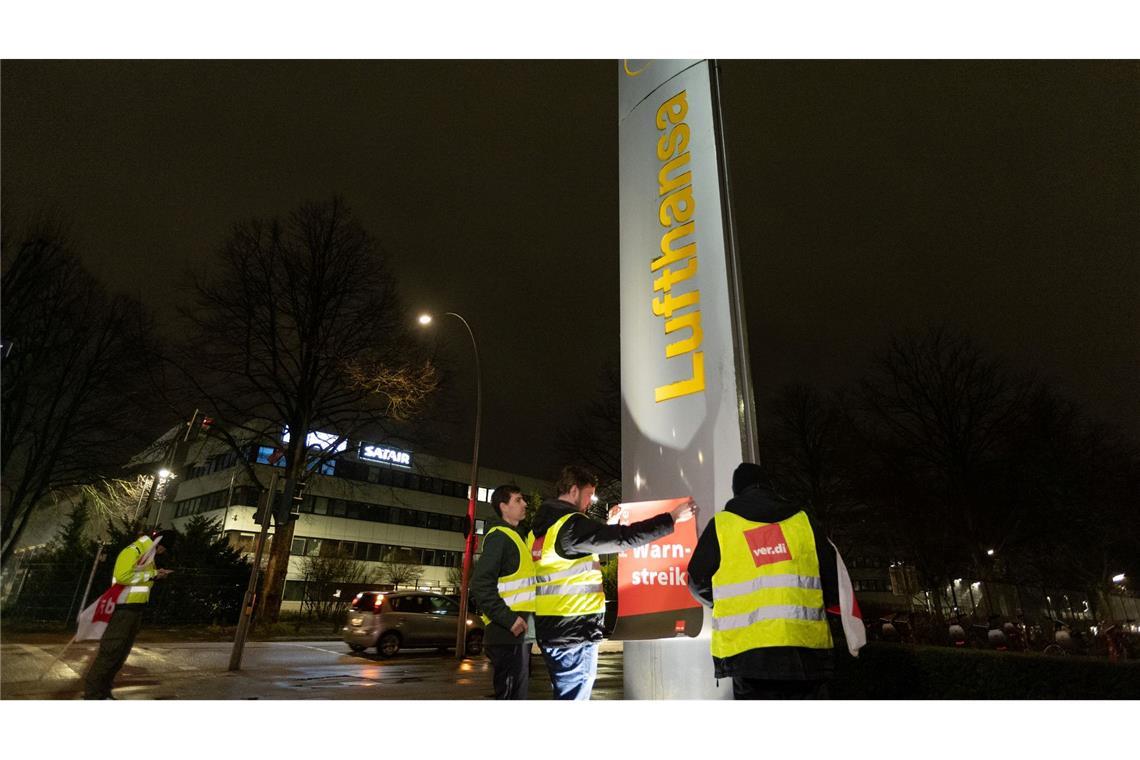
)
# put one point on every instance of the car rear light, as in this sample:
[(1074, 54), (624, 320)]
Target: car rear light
[(379, 602)]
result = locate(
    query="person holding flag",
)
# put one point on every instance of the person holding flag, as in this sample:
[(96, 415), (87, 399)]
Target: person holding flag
[(116, 616), (771, 577)]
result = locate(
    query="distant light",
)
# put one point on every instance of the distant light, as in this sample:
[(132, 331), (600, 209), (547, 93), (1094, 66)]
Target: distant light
[(957, 580), (1118, 578), (164, 473), (425, 319), (990, 552)]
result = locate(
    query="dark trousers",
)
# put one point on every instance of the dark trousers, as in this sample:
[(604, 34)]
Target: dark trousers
[(511, 666), (763, 688), (114, 648)]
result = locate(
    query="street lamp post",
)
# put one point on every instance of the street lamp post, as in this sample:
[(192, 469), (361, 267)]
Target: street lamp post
[(469, 546)]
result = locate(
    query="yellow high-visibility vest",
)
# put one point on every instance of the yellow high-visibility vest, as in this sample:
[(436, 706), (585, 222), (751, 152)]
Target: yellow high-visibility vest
[(136, 578), (517, 588), (565, 587), (767, 591)]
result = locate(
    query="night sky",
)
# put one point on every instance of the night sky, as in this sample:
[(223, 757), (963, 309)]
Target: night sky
[(871, 197)]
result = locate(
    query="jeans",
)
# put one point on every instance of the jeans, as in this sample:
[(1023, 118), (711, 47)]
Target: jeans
[(511, 666), (572, 669), (114, 648)]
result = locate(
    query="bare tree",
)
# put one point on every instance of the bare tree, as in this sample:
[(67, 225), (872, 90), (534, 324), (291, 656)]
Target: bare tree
[(326, 579), (118, 501), (72, 400), (400, 573), (936, 415), (804, 447), (298, 323), (593, 439), (455, 577)]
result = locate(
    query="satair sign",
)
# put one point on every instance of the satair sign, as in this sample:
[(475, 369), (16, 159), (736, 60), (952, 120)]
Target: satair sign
[(372, 452)]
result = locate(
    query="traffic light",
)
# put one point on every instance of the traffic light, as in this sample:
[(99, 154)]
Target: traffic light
[(289, 506)]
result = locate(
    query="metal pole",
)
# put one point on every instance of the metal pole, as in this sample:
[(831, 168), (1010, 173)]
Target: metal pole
[(251, 590), (229, 502), (168, 463), (91, 577), (149, 497), (469, 546), (746, 400)]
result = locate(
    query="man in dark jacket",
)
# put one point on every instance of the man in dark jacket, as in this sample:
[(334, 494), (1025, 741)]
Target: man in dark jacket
[(767, 672), (503, 585), (570, 606)]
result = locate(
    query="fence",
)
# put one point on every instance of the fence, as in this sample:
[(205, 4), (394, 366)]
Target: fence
[(52, 594)]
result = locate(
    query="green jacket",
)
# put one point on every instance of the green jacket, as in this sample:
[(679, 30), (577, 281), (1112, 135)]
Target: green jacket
[(500, 557)]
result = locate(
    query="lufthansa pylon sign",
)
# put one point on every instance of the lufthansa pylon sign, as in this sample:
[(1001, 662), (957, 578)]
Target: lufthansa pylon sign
[(687, 417)]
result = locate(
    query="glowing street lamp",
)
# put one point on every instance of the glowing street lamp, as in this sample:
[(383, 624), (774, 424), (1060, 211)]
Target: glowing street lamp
[(989, 552), (1118, 578), (469, 546)]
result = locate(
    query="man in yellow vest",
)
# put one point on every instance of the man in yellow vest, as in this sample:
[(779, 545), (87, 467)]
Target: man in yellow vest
[(769, 575), (136, 572), (569, 603), (503, 585)]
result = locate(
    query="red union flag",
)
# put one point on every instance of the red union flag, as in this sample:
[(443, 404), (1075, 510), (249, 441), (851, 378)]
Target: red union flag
[(93, 620), (767, 544)]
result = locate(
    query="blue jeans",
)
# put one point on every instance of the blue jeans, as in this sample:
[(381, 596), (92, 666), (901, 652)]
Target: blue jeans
[(572, 669)]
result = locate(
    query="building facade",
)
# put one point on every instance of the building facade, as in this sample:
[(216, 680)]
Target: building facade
[(398, 512)]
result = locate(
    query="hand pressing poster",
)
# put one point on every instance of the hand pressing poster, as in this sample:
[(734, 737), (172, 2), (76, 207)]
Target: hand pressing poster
[(653, 599)]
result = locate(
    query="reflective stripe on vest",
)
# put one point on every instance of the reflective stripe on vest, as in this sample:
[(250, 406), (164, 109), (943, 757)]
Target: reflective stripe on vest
[(137, 579), (566, 587), (767, 590), (517, 588)]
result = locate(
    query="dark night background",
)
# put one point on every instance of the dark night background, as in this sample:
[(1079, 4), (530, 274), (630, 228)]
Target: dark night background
[(871, 197)]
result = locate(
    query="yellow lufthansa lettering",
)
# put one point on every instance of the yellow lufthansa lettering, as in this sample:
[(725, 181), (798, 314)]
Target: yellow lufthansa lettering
[(671, 277), (664, 307), (666, 183), (692, 320), (694, 384), (676, 140), (673, 110), (678, 245), (677, 207), (669, 254)]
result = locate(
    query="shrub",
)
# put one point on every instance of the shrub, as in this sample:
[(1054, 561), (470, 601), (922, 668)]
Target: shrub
[(893, 671)]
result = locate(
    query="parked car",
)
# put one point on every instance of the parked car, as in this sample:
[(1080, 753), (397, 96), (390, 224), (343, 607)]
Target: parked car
[(391, 621)]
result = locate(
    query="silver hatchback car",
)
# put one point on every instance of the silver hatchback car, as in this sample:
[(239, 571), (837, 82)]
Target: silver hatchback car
[(394, 620)]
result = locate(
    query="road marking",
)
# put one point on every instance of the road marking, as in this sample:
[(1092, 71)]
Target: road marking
[(316, 649), (137, 650)]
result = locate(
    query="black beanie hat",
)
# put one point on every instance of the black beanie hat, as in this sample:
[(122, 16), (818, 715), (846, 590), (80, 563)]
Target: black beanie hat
[(747, 474)]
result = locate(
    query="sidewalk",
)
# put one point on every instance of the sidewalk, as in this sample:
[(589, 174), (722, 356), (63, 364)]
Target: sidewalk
[(276, 670)]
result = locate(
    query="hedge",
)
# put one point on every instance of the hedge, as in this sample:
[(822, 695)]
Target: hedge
[(899, 671)]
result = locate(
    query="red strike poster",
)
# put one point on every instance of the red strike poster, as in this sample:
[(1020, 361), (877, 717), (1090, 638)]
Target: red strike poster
[(653, 594)]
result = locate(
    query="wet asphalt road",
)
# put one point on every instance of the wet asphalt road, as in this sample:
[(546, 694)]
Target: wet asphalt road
[(274, 670)]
